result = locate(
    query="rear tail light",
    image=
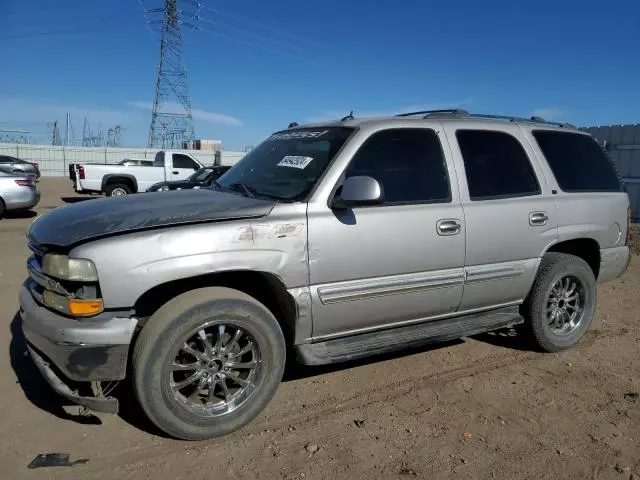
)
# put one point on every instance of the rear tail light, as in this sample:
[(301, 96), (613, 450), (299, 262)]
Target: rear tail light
[(80, 172), (627, 240), (24, 183)]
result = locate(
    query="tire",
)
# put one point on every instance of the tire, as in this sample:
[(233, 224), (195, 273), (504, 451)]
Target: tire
[(3, 208), (541, 303), (117, 190), (180, 320)]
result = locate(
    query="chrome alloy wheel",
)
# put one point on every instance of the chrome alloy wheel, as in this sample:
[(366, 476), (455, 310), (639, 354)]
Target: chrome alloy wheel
[(565, 305), (118, 192), (214, 370)]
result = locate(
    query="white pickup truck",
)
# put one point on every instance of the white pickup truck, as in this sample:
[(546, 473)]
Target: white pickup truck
[(117, 180)]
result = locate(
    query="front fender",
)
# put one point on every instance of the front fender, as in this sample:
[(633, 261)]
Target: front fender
[(130, 265)]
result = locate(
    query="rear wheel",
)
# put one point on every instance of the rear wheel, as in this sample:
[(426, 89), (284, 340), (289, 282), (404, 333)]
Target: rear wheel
[(207, 363), (3, 208), (562, 301), (117, 190)]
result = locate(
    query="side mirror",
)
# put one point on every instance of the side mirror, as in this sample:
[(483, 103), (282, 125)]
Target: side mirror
[(359, 191)]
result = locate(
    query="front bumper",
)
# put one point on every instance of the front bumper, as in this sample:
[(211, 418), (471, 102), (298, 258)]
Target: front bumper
[(87, 350), (106, 404)]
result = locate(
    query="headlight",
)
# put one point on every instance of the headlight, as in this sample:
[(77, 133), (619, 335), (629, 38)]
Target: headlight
[(65, 268)]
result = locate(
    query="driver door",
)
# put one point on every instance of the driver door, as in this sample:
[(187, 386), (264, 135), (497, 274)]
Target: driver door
[(182, 167), (390, 264)]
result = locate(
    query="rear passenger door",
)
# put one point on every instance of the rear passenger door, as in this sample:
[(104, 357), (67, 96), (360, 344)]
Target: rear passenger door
[(510, 214)]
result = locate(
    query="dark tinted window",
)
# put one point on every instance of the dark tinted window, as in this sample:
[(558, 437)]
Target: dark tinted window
[(201, 175), (577, 162), (218, 172), (408, 163), (182, 161), (496, 165)]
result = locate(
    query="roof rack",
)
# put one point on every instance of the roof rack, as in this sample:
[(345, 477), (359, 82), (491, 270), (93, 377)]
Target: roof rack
[(533, 119), (456, 112), (426, 113)]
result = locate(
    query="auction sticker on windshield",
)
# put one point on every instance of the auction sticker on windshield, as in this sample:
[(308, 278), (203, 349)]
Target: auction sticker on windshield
[(295, 161)]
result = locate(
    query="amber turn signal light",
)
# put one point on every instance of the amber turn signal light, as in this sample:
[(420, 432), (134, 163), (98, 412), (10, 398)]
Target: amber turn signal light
[(85, 308)]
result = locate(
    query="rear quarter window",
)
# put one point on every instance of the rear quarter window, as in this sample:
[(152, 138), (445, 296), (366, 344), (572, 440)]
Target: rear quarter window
[(578, 162)]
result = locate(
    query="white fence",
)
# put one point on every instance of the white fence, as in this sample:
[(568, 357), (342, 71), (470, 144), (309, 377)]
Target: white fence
[(54, 161)]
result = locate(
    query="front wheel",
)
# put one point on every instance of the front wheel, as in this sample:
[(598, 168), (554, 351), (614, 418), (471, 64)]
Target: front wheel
[(207, 363), (561, 303)]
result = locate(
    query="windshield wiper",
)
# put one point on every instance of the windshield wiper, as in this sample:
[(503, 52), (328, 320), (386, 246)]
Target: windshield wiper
[(249, 190), (244, 187), (235, 187)]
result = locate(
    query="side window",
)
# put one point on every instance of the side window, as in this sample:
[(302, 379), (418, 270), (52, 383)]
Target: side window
[(183, 161), (577, 162), (158, 160), (496, 165), (408, 163)]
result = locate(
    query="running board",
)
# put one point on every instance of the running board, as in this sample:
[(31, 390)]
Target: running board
[(399, 338)]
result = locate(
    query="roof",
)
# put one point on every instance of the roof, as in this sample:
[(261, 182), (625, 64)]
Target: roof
[(443, 116)]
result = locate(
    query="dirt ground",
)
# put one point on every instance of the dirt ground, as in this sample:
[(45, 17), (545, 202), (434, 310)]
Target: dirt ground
[(486, 407)]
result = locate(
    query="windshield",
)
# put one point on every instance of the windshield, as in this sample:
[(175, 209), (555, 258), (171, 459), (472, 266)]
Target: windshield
[(287, 165), (200, 175)]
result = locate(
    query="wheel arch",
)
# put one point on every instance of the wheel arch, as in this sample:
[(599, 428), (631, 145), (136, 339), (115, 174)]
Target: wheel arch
[(265, 287), (123, 178), (585, 248)]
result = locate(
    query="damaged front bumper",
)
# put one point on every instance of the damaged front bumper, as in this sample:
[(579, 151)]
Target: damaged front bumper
[(88, 350)]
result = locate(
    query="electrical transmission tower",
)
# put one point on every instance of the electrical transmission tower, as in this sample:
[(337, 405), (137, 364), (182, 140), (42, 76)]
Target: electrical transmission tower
[(114, 137), (89, 139), (171, 120)]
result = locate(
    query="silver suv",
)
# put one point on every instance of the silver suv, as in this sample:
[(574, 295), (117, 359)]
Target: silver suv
[(332, 241)]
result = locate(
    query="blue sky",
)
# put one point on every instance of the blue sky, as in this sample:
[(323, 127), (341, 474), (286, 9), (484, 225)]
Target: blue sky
[(255, 66)]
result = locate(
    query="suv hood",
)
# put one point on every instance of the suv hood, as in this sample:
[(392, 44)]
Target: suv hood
[(91, 219)]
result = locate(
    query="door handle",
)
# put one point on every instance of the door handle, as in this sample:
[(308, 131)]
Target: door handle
[(538, 218), (449, 227), (175, 172)]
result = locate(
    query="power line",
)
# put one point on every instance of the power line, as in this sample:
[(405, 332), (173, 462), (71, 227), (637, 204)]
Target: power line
[(246, 32), (55, 33), (256, 45), (260, 25), (146, 19)]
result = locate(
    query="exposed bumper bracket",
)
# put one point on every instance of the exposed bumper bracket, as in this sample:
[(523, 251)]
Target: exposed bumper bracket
[(106, 405)]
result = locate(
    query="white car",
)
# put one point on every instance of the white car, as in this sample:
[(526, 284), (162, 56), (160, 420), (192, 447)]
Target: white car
[(118, 180)]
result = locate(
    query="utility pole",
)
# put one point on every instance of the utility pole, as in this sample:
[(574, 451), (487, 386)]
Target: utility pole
[(171, 119), (56, 134), (66, 141), (85, 133)]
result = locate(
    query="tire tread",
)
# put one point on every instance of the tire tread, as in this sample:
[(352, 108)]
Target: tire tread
[(534, 307)]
